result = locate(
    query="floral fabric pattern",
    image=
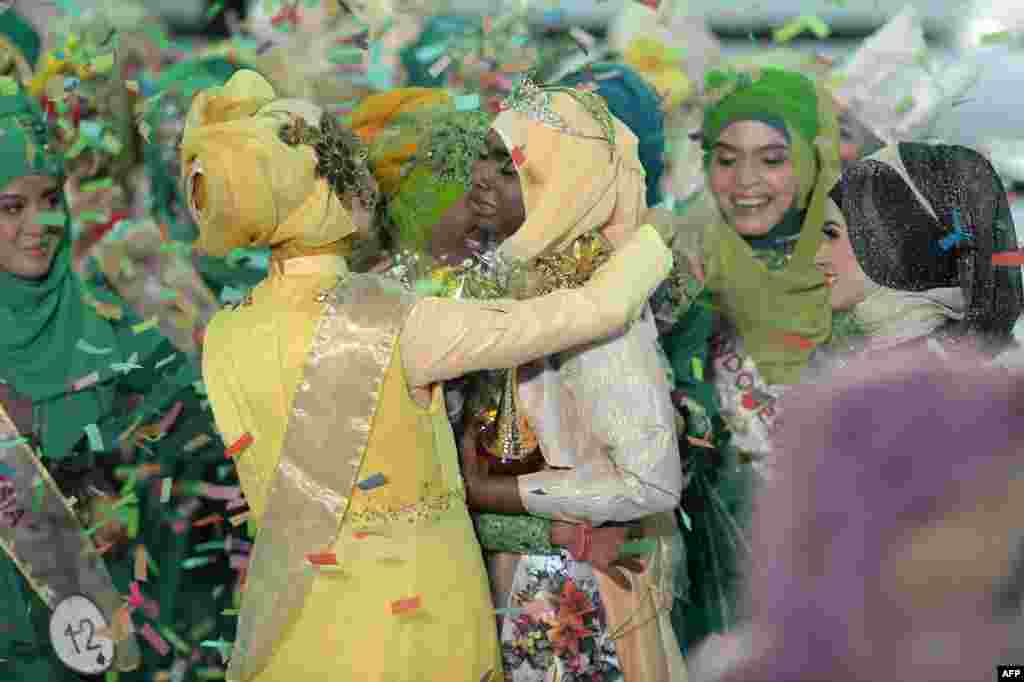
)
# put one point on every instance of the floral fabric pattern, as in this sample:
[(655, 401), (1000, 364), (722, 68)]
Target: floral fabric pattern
[(557, 628)]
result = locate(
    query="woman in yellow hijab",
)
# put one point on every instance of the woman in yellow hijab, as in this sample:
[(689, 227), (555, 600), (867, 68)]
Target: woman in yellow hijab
[(563, 176), (329, 386)]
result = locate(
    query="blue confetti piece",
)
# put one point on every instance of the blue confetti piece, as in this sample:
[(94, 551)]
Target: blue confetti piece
[(519, 41), (467, 102), (8, 471), (428, 54), (958, 235), (375, 481)]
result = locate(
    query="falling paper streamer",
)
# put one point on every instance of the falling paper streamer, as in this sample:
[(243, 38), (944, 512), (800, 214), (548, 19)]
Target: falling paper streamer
[(151, 323), (803, 24), (403, 606), (1008, 258), (85, 382), (439, 66), (141, 572), (239, 446), (165, 490), (374, 481), (155, 640), (87, 347), (92, 433)]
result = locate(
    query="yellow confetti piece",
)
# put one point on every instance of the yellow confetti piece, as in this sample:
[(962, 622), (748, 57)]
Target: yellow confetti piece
[(141, 565), (803, 24), (238, 519)]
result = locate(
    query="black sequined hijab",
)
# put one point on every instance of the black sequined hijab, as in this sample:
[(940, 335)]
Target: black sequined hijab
[(927, 216)]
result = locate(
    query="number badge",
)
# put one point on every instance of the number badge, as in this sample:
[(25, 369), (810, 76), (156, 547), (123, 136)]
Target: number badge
[(73, 628)]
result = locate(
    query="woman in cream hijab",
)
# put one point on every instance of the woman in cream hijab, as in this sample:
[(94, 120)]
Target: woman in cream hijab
[(564, 178), (331, 382)]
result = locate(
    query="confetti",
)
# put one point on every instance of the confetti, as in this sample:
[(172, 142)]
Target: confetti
[(155, 640), (639, 547), (215, 10), (1008, 258), (239, 446), (798, 341), (221, 492), (165, 361), (96, 185), (12, 442), (405, 605), (686, 520), (439, 66), (165, 490), (374, 481), (236, 503), (141, 564), (85, 382), (92, 433), (431, 53), (200, 441), (208, 521), (197, 562), (804, 24), (905, 105), (583, 39), (698, 369), (141, 327), (51, 218), (174, 639), (87, 347), (467, 102), (323, 559), (518, 156)]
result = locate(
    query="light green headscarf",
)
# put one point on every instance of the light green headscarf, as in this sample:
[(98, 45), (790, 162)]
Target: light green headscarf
[(44, 320), (438, 174), (781, 315)]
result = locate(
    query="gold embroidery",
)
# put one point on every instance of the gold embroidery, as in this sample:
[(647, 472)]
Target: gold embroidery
[(428, 508)]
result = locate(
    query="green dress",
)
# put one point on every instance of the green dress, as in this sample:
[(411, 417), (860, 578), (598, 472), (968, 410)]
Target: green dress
[(189, 602)]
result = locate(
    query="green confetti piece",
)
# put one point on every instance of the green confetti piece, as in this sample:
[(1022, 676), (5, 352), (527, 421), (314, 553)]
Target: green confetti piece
[(197, 562), (103, 64), (215, 10), (686, 520), (12, 442), (346, 54), (800, 25), (92, 432), (51, 218), (229, 612), (698, 369), (210, 674), (95, 185), (38, 489), (212, 546), (639, 547), (172, 637), (199, 387), (167, 295), (998, 37), (112, 676), (8, 87), (905, 105), (93, 218), (87, 347)]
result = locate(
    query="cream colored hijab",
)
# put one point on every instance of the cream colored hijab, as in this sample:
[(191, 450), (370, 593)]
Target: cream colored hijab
[(246, 187), (573, 181)]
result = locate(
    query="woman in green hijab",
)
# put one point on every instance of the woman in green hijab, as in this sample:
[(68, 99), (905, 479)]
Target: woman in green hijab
[(94, 392), (750, 310)]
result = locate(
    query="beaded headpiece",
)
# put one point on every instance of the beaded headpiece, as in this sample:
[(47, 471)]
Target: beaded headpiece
[(342, 158), (534, 102)]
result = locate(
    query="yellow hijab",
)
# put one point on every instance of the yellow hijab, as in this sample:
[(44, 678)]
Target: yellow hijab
[(246, 187), (573, 181)]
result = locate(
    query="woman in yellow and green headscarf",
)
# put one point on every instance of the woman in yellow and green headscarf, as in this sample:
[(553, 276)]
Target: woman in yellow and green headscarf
[(349, 402), (750, 321), (19, 46)]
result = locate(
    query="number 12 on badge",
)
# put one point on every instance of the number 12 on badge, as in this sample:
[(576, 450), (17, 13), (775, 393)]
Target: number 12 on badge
[(73, 627)]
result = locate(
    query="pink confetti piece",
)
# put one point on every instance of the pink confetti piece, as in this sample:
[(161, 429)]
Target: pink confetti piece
[(221, 492), (439, 66), (401, 606), (135, 598), (208, 521), (167, 421), (239, 562), (85, 382), (236, 503), (179, 527), (155, 640)]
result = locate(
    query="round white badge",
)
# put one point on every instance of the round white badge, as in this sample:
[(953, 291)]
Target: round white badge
[(73, 633)]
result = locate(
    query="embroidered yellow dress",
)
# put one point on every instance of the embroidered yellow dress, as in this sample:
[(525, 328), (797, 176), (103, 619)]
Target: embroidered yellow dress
[(420, 539)]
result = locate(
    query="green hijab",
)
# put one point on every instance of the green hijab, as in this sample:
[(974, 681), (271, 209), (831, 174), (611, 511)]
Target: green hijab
[(782, 315), (437, 176), (20, 34), (43, 321)]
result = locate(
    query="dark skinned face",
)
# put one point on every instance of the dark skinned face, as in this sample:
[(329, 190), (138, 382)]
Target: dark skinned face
[(496, 197)]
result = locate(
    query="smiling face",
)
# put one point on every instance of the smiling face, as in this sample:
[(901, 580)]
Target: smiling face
[(752, 177), (496, 197), (27, 248), (838, 261)]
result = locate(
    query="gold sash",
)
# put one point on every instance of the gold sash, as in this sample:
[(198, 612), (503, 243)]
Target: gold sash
[(322, 454), (41, 534)]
